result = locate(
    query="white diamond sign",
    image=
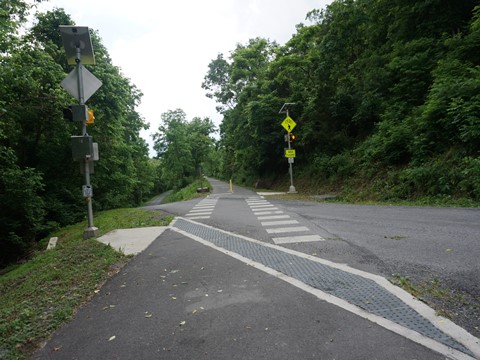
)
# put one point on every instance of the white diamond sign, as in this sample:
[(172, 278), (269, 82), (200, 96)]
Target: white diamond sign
[(90, 83)]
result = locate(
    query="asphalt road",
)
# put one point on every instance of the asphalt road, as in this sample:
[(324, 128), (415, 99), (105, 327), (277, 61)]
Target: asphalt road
[(426, 245), (184, 299)]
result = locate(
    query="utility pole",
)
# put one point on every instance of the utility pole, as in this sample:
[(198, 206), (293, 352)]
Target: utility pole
[(82, 84), (289, 124)]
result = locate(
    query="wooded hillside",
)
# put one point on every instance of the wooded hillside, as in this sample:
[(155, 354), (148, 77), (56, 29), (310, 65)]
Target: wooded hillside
[(387, 97), (40, 184)]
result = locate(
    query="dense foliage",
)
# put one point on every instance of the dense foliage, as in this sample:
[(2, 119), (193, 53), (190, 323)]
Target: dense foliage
[(40, 184), (387, 97), (183, 147)]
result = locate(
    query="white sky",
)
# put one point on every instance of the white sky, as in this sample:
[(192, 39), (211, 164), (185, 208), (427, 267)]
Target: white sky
[(164, 47)]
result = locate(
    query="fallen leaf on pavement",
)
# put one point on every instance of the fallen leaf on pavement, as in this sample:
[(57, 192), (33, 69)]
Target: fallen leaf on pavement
[(182, 323), (112, 338)]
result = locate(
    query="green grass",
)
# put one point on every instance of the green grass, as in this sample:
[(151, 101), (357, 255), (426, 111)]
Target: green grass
[(426, 201), (187, 193), (456, 305), (38, 296), (363, 193)]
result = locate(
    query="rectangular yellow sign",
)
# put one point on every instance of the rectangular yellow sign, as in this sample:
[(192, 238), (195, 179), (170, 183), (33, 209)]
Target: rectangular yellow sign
[(290, 153)]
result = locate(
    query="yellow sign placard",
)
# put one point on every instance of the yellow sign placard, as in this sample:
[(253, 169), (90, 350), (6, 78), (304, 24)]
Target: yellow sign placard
[(288, 124), (290, 153)]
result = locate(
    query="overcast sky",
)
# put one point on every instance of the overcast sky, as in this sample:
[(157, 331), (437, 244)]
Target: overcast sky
[(164, 47)]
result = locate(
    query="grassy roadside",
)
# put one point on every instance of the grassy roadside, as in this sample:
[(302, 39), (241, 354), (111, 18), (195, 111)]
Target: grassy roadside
[(455, 304), (342, 199), (38, 296), (359, 191), (188, 192)]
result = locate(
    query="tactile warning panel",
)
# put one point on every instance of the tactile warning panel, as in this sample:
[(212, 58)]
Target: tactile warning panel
[(358, 290)]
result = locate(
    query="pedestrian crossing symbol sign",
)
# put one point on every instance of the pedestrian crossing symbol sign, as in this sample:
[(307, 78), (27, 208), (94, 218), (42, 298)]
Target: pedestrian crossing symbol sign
[(288, 124)]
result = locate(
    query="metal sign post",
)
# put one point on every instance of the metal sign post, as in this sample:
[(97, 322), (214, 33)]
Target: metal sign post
[(289, 125), (77, 43)]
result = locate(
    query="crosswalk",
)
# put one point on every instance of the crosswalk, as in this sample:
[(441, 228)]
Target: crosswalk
[(276, 222), (203, 210)]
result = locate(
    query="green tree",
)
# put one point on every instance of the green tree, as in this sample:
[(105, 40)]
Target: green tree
[(394, 83), (199, 132), (173, 148), (183, 147), (35, 139), (22, 210)]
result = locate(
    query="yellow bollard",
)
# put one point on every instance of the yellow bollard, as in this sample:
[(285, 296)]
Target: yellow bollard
[(231, 187)]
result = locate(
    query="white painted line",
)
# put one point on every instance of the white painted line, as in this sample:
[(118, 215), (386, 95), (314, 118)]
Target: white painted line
[(286, 230), (199, 217), (268, 212), (199, 213), (445, 325), (264, 209), (297, 239), (273, 217), (259, 201), (253, 207), (195, 209), (279, 222)]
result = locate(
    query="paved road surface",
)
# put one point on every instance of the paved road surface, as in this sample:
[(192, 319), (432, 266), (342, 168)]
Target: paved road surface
[(424, 244), (199, 292)]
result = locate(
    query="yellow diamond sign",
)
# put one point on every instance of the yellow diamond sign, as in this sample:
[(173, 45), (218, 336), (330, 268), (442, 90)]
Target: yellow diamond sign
[(289, 124)]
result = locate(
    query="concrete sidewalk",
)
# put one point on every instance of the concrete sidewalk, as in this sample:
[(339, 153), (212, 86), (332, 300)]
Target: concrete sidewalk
[(132, 241)]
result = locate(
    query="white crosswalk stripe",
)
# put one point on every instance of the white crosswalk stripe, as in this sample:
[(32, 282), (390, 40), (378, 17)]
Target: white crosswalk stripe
[(253, 207), (297, 239), (287, 230), (266, 211), (273, 217), (257, 211), (202, 210), (279, 222)]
